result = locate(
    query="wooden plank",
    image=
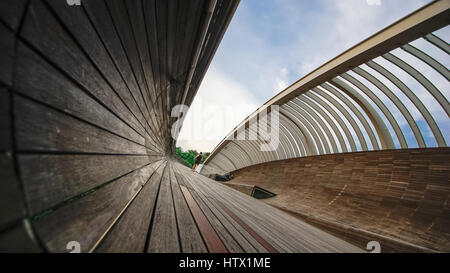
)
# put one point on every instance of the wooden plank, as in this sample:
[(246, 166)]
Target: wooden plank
[(310, 240), (5, 120), (190, 238), (233, 235), (255, 235), (52, 179), (223, 228), (134, 9), (39, 128), (152, 40), (212, 240), (77, 21), (161, 20), (136, 17), (19, 239), (259, 220), (164, 233), (103, 24), (130, 232), (263, 223), (11, 12), (39, 80), (125, 32), (12, 206), (86, 219), (390, 194), (7, 57), (44, 32)]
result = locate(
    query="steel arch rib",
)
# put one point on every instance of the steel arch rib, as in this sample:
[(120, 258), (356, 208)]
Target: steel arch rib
[(234, 153), (364, 89), (258, 156), (433, 63), (320, 120), (429, 86), (438, 42), (352, 99), (341, 123), (297, 133), (296, 112), (273, 153), (276, 152), (400, 106), (300, 122), (240, 160), (339, 94), (231, 164), (309, 142), (414, 99), (346, 114), (299, 116), (244, 152), (290, 129), (327, 116)]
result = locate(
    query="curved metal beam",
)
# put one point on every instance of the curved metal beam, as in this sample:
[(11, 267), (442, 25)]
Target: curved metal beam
[(397, 102), (346, 114), (414, 99), (339, 94)]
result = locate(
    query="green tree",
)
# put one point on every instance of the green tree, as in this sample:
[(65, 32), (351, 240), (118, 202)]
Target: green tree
[(189, 156)]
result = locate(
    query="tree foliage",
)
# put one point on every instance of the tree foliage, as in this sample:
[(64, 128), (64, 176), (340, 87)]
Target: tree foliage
[(189, 155)]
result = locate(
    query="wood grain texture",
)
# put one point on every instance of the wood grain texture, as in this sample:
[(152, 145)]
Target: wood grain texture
[(40, 128), (86, 154), (39, 80), (19, 239), (283, 232), (12, 206), (190, 239), (164, 232), (11, 12), (401, 195), (51, 179), (212, 240), (5, 120), (42, 30), (130, 233), (87, 218), (7, 57)]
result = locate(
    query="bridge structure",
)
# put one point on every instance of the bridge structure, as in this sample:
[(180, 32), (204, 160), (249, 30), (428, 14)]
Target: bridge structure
[(87, 162), (362, 147)]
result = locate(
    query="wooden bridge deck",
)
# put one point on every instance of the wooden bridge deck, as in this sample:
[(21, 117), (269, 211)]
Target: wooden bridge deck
[(86, 94), (165, 207)]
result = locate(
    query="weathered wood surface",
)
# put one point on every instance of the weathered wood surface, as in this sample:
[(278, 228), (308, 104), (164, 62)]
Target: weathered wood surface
[(397, 197), (281, 231), (85, 220), (51, 179), (86, 94)]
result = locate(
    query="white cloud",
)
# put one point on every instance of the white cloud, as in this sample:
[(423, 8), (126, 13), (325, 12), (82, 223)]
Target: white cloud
[(271, 44), (221, 103), (281, 81)]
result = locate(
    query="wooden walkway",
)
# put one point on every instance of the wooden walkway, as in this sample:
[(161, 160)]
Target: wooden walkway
[(165, 207), (85, 134)]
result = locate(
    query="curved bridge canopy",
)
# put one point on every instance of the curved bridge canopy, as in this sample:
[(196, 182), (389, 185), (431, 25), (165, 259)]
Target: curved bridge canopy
[(388, 92)]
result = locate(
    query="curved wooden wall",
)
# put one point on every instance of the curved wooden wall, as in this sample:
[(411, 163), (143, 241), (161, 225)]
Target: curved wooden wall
[(397, 197), (86, 94)]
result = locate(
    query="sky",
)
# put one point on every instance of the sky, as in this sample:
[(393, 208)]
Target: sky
[(269, 45)]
